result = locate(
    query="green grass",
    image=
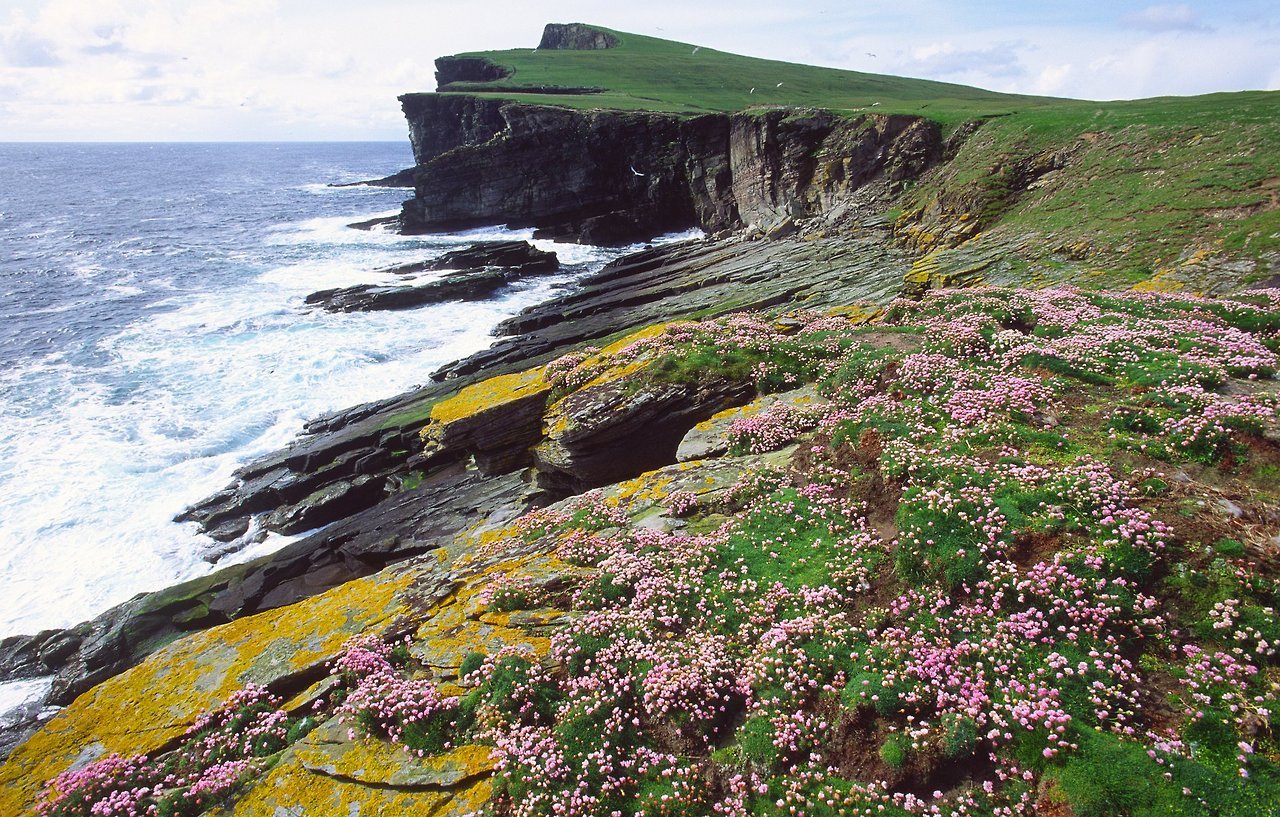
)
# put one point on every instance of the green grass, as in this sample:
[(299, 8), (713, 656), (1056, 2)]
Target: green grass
[(646, 73)]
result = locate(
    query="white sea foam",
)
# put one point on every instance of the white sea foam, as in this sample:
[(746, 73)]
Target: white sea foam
[(93, 475), (14, 694)]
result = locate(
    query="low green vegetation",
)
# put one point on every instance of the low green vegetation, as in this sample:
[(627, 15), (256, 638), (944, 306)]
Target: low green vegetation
[(647, 73)]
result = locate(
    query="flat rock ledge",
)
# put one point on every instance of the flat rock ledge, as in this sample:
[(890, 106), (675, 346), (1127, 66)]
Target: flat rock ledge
[(478, 271)]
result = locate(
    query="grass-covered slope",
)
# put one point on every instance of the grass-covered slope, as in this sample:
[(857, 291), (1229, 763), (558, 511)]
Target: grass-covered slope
[(1122, 191), (646, 73)]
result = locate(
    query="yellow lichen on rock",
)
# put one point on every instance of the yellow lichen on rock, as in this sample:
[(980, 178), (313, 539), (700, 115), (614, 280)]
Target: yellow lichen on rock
[(293, 789), (489, 393), (145, 707)]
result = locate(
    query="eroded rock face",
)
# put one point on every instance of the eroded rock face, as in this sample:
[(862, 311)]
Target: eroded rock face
[(617, 430), (575, 37), (612, 177), (468, 69)]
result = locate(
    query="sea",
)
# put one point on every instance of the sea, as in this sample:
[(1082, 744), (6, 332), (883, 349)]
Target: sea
[(153, 338)]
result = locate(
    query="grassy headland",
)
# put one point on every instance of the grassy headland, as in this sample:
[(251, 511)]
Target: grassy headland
[(1100, 193)]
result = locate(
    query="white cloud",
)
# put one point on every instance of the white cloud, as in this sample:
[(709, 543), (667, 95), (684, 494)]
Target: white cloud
[(946, 60), (1180, 17), (23, 49), (325, 69)]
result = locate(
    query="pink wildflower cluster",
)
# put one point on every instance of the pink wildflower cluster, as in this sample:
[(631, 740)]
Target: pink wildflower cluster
[(212, 759), (383, 701), (772, 428), (572, 371)]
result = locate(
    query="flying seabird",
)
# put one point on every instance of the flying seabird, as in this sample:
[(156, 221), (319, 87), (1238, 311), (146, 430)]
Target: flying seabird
[(637, 172), (779, 85)]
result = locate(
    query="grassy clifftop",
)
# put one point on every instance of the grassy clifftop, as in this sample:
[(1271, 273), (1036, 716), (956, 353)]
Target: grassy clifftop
[(646, 73), (1169, 192)]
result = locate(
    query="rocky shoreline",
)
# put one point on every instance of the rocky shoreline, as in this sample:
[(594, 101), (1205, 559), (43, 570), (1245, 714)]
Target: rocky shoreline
[(364, 476)]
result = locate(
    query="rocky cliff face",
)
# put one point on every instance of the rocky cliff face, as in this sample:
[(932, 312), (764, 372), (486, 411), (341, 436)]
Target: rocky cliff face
[(575, 37), (613, 177)]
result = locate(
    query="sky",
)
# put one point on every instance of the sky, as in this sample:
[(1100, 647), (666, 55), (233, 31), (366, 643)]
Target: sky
[(215, 70)]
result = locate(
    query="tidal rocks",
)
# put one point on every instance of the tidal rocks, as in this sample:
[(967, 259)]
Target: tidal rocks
[(519, 256), (481, 270), (471, 286), (412, 522)]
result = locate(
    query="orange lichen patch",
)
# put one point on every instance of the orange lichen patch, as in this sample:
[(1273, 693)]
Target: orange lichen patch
[(856, 314), (489, 393), (329, 751), (293, 789), (144, 707), (1162, 281), (465, 625)]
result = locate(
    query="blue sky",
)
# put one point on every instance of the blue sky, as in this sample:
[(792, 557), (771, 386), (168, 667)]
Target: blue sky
[(325, 69)]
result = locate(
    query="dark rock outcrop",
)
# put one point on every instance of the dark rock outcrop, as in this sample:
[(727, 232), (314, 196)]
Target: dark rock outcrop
[(471, 286), (409, 523), (520, 256), (619, 430), (482, 269), (468, 69), (614, 177), (575, 37), (401, 178)]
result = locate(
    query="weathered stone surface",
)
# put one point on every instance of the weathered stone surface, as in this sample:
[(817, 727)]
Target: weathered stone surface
[(710, 438), (496, 421), (613, 431), (697, 278), (613, 177), (576, 37), (328, 751)]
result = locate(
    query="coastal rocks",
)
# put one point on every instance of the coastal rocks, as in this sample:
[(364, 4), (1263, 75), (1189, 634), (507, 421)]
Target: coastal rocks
[(471, 286), (415, 521), (438, 123), (606, 433), (517, 256), (613, 177), (468, 69), (495, 421), (697, 278), (482, 269)]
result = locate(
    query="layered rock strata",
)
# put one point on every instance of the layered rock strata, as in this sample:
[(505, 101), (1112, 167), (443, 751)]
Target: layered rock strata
[(614, 177)]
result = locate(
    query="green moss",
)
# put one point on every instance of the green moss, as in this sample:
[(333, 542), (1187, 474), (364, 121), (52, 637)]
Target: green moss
[(895, 750)]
